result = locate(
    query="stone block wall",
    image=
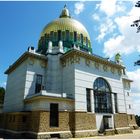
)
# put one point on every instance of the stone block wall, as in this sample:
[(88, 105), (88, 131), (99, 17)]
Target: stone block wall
[(2, 120), (84, 124), (85, 121), (63, 124), (14, 121), (121, 123), (120, 120), (71, 124), (132, 121)]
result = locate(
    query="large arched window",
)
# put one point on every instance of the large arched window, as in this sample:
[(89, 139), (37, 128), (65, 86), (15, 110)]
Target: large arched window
[(102, 96)]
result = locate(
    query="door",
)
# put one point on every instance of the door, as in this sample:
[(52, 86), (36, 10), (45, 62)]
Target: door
[(54, 118), (107, 122)]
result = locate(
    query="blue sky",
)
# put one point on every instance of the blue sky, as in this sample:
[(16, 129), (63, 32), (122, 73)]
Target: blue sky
[(108, 24)]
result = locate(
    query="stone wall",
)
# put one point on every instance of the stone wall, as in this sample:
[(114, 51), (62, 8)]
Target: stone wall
[(121, 123), (14, 121), (132, 121), (86, 122), (120, 120), (71, 124)]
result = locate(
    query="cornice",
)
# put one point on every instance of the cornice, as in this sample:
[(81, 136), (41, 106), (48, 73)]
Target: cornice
[(73, 54), (39, 97), (23, 58)]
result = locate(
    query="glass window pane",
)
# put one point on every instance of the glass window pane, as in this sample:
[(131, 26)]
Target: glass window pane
[(102, 96)]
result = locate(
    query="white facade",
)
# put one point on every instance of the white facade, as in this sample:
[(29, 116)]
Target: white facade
[(65, 79)]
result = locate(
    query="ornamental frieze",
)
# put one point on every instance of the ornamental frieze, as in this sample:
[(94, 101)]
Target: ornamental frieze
[(104, 67), (43, 64), (97, 65), (112, 70), (119, 72), (87, 62), (31, 61), (63, 63), (73, 59), (76, 59)]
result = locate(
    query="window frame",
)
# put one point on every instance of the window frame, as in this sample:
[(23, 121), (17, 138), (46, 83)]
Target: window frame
[(38, 85), (88, 100), (102, 96), (54, 118)]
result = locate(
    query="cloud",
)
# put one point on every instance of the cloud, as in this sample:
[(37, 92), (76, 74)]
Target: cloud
[(112, 7), (109, 8), (79, 7), (135, 88), (106, 28), (107, 24), (96, 17), (135, 75), (128, 41), (136, 106)]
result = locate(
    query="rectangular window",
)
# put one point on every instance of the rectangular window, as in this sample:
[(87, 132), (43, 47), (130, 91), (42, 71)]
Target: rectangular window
[(127, 93), (75, 36), (124, 72), (82, 38), (59, 35), (24, 119), (38, 85), (67, 35), (88, 100), (54, 118), (129, 106), (86, 42), (51, 35), (115, 101)]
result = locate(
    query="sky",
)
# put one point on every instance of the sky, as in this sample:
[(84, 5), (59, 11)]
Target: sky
[(108, 24)]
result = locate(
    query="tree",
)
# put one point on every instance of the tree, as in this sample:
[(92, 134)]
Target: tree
[(2, 93), (137, 63), (136, 23), (137, 120)]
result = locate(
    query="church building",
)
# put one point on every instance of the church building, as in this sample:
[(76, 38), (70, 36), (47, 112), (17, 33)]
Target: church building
[(61, 89)]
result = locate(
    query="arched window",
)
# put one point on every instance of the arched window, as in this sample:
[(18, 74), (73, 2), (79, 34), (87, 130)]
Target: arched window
[(102, 96)]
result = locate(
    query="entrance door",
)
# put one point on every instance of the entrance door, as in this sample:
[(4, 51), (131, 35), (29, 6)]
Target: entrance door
[(54, 119), (107, 122)]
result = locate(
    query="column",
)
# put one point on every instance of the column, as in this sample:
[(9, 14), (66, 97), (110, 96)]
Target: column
[(92, 101), (113, 103)]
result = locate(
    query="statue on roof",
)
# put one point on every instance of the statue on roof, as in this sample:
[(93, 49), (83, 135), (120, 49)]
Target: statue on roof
[(118, 58)]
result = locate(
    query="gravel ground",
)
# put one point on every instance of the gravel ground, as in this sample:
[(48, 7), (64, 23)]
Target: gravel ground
[(134, 135)]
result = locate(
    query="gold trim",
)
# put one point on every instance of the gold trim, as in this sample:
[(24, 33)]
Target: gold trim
[(105, 68), (23, 58), (77, 53), (97, 65)]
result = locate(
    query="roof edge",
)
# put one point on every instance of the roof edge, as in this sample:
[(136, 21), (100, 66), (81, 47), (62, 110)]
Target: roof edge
[(23, 57)]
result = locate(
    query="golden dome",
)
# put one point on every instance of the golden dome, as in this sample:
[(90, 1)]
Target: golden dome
[(66, 29), (64, 24)]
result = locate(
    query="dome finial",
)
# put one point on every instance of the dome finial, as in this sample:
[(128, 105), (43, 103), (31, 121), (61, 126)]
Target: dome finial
[(65, 12), (65, 6)]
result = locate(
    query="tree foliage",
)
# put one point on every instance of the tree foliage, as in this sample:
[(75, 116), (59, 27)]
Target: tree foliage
[(137, 120), (137, 4), (2, 93), (136, 23)]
